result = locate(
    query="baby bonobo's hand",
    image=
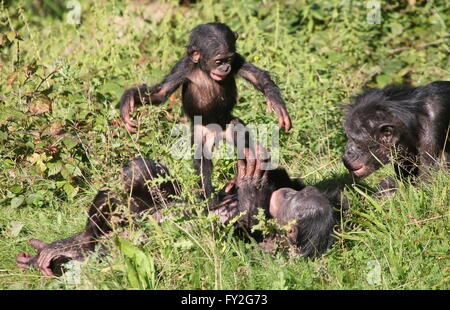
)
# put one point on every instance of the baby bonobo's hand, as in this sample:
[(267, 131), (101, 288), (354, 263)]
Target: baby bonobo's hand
[(127, 107), (284, 120), (138, 95)]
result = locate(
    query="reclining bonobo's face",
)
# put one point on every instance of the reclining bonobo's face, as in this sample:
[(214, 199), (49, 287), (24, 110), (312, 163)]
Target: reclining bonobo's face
[(300, 209), (281, 205), (370, 135)]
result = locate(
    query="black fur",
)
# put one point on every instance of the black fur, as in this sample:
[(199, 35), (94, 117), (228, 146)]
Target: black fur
[(310, 210), (211, 51), (412, 120), (135, 176)]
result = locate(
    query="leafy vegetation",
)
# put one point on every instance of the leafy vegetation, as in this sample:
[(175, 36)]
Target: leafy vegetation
[(61, 139)]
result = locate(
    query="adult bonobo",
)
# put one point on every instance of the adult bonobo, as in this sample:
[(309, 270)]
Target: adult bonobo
[(207, 76), (406, 125)]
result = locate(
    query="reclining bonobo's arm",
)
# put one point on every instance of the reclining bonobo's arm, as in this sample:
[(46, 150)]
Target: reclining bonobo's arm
[(243, 196), (253, 194), (261, 80), (50, 256), (155, 94)]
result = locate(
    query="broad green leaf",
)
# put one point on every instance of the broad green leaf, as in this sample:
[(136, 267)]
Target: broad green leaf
[(70, 190), (14, 228), (54, 168), (17, 201)]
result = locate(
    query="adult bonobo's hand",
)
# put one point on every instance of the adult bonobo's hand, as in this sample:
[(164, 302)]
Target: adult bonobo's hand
[(50, 257)]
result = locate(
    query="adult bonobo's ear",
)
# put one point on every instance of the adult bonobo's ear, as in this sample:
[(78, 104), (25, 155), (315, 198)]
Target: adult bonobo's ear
[(236, 36), (195, 55), (386, 132), (346, 107), (292, 233)]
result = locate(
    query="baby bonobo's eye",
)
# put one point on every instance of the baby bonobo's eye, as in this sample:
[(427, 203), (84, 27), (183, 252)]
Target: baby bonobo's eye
[(218, 62)]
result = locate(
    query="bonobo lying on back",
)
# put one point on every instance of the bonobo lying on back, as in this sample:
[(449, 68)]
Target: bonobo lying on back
[(309, 212), (135, 177), (406, 125), (288, 201)]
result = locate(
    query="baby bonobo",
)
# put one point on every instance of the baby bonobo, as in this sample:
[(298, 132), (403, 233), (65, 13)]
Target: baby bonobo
[(135, 177), (207, 75), (406, 125), (286, 200)]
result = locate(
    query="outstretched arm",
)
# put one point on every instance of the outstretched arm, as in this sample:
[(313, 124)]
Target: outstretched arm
[(261, 80), (156, 94), (51, 256)]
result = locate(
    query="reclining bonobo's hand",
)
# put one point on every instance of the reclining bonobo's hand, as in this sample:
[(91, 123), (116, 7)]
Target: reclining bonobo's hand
[(50, 256), (250, 183), (41, 261)]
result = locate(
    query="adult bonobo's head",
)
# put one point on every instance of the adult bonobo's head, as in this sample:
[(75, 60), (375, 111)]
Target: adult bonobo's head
[(378, 125), (213, 47)]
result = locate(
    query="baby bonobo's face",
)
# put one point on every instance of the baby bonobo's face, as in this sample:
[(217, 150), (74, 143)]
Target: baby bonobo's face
[(220, 65)]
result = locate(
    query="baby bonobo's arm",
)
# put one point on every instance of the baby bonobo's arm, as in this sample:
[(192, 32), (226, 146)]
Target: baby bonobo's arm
[(155, 94), (261, 80)]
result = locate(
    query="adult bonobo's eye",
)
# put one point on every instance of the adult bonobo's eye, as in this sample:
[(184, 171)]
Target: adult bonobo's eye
[(218, 62), (386, 131)]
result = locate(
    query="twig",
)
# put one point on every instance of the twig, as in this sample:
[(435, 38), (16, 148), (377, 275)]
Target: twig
[(394, 51)]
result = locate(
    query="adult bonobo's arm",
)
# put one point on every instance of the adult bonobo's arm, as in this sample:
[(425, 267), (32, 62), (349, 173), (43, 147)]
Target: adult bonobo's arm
[(155, 94), (51, 256), (261, 80)]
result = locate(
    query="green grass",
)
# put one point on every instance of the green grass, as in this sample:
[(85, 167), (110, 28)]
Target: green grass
[(320, 53)]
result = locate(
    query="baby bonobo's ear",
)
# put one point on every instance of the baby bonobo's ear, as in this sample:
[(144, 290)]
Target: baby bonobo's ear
[(195, 56), (236, 36)]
